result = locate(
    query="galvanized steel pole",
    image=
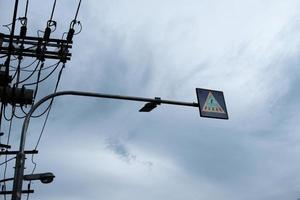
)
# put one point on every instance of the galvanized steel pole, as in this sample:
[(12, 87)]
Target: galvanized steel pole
[(20, 159)]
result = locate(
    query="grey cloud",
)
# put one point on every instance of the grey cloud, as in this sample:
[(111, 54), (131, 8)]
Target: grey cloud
[(107, 149)]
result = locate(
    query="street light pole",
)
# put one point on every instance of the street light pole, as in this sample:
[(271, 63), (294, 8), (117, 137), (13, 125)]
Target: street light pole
[(20, 159)]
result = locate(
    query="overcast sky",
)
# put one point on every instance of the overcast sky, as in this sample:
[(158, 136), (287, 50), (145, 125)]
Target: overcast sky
[(106, 149)]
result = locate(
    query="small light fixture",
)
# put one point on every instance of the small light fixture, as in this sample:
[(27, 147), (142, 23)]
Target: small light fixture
[(148, 107), (43, 177)]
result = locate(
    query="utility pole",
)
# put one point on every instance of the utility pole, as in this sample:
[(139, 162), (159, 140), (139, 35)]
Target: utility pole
[(44, 48), (12, 93)]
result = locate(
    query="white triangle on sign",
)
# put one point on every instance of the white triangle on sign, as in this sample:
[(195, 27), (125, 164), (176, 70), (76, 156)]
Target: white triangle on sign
[(212, 105)]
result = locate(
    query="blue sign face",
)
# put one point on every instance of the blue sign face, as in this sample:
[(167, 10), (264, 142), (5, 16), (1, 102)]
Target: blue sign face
[(211, 104)]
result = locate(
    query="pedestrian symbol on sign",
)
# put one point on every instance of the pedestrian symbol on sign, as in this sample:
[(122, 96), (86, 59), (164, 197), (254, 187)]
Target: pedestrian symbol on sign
[(212, 105)]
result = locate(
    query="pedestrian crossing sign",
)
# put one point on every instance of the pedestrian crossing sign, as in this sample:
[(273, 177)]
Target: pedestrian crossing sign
[(211, 103)]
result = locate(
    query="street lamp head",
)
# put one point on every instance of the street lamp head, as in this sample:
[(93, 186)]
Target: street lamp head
[(47, 179), (148, 107), (43, 177)]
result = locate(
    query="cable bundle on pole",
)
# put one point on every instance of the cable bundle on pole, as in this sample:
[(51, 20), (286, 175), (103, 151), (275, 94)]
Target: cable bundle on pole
[(41, 48)]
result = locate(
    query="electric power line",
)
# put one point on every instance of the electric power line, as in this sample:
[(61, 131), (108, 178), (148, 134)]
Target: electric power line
[(51, 103), (53, 8), (42, 44), (43, 79), (25, 70), (29, 76), (6, 160), (4, 114), (43, 127)]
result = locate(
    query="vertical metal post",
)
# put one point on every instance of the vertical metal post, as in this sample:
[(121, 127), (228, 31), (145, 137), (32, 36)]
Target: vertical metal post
[(20, 160), (7, 63), (18, 176), (17, 187)]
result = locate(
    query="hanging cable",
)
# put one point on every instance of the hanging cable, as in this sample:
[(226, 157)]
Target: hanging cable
[(37, 116), (26, 9), (7, 26), (29, 76), (37, 85), (44, 68), (6, 160), (36, 89), (28, 188), (27, 84), (80, 28), (49, 106), (35, 93), (25, 113), (1, 113), (18, 117), (50, 66), (38, 32), (4, 114), (53, 8), (46, 119), (77, 10), (18, 71), (13, 114), (23, 68), (29, 64)]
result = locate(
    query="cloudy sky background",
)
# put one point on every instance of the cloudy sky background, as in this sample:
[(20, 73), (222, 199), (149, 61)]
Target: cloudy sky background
[(105, 149)]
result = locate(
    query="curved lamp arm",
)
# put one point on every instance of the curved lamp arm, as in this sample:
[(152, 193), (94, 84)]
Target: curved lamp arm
[(20, 160)]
